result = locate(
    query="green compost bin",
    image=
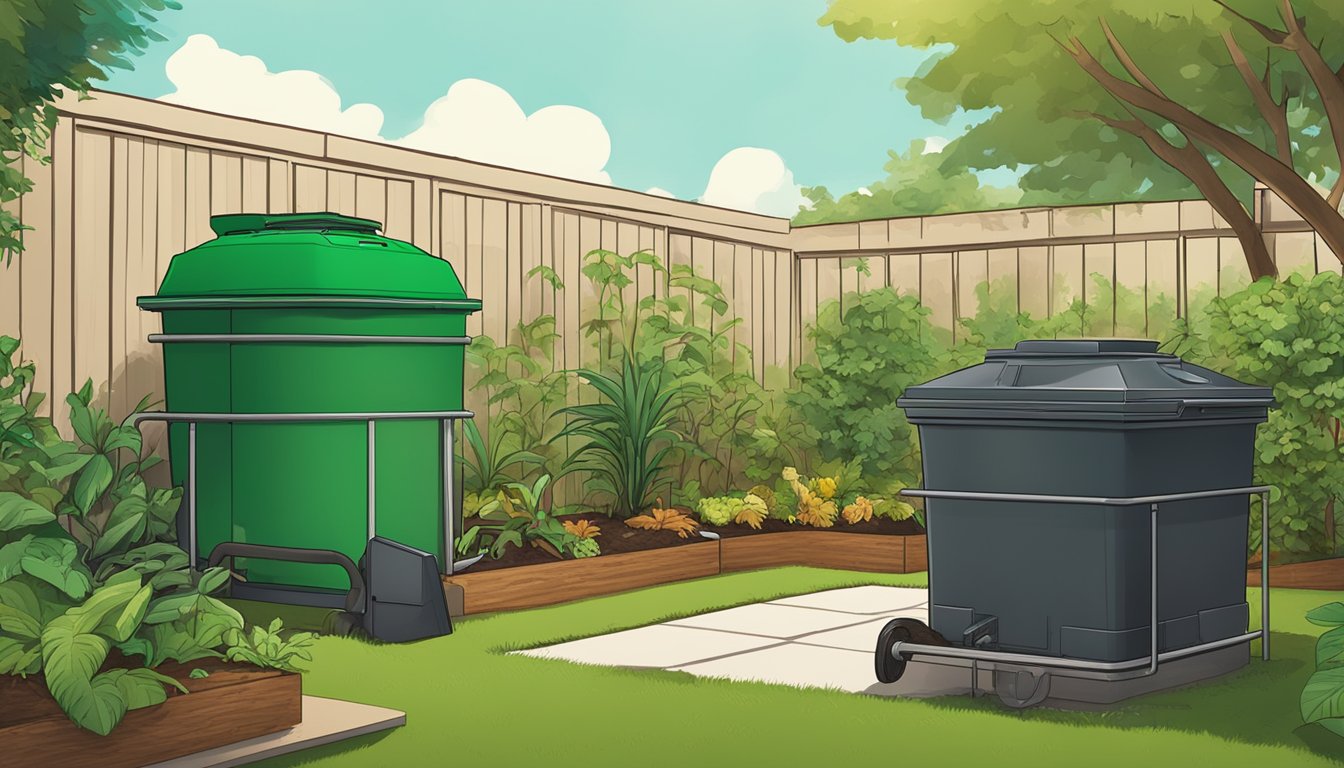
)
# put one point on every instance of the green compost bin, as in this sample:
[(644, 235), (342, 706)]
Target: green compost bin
[(311, 313)]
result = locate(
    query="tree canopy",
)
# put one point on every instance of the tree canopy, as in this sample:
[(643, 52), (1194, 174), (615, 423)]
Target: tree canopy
[(51, 46), (915, 185), (1142, 100)]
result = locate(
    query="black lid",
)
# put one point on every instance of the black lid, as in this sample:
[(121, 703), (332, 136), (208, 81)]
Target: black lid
[(1086, 379)]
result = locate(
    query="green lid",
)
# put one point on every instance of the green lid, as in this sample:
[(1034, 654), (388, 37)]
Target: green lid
[(306, 259)]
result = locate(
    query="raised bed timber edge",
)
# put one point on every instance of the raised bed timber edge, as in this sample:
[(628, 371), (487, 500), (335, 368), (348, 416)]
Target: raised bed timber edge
[(236, 702), (533, 586), (1315, 574)]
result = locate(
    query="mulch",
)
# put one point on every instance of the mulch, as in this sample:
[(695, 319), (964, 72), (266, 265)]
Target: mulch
[(616, 537)]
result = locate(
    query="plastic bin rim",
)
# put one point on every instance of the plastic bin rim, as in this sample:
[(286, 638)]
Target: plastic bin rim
[(159, 303)]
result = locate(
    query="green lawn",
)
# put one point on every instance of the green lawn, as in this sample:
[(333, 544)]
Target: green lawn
[(468, 704)]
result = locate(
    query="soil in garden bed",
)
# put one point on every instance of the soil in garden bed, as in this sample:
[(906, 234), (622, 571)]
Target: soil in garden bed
[(25, 699), (616, 538), (879, 526)]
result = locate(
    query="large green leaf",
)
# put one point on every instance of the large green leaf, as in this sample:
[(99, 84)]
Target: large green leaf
[(72, 652), (92, 483), (141, 687), (1323, 697), (56, 561), (19, 512), (126, 524), (1328, 615), (1330, 648), (18, 657)]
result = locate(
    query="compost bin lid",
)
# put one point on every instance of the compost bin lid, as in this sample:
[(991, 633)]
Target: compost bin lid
[(1085, 379), (306, 259)]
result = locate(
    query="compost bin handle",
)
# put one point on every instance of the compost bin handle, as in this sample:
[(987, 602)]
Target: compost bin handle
[(354, 601)]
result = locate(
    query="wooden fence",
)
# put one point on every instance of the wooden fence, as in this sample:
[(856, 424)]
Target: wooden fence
[(133, 182)]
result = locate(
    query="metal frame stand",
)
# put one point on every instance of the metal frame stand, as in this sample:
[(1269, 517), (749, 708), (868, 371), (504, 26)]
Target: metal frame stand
[(446, 419), (1143, 666)]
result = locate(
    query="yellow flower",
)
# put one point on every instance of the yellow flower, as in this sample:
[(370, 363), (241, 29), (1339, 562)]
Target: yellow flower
[(826, 487), (790, 474)]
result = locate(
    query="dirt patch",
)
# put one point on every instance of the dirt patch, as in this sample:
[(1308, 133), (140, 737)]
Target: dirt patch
[(877, 526), (615, 537), (618, 538)]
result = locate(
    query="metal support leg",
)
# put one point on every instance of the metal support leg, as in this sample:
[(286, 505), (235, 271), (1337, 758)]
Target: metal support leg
[(449, 503), (1152, 664), (191, 493), (373, 497), (1264, 575)]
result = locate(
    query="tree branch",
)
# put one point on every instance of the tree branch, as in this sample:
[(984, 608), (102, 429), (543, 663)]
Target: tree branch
[(1284, 181), (1190, 162), (1128, 62), (1329, 87), (1275, 114), (1269, 33)]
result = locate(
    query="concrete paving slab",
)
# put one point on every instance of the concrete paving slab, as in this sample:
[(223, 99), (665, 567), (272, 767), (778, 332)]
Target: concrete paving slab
[(658, 646), (861, 600), (859, 637), (768, 620), (324, 721), (793, 664)]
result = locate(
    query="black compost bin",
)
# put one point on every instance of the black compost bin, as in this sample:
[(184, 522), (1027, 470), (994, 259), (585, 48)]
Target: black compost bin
[(1100, 418)]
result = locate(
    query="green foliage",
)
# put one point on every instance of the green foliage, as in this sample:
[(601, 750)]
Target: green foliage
[(628, 432), (1322, 698), (1286, 335), (915, 185), (268, 647), (49, 48), (523, 393), (585, 548), (882, 344), (722, 510), (516, 517), (1005, 56), (85, 560)]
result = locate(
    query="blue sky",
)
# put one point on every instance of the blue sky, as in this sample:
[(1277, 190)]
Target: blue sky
[(677, 85)]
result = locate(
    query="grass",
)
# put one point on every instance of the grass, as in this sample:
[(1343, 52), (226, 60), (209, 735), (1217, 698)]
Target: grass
[(467, 703)]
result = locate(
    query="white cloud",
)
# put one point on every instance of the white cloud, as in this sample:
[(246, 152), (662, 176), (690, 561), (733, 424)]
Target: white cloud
[(480, 121), (474, 120), (659, 191), (217, 79), (753, 179), (935, 144), (866, 192)]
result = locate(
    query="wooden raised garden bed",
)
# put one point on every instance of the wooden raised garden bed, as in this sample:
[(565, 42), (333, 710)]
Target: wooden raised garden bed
[(1317, 574), (528, 578), (236, 702)]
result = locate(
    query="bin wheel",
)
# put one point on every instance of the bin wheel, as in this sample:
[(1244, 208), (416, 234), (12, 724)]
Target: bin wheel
[(1021, 687), (343, 624), (889, 666)]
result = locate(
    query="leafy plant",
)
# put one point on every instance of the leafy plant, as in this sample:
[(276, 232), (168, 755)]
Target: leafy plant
[(1322, 699), (813, 509), (660, 519), (86, 563), (486, 465), (721, 510), (268, 647), (767, 496), (858, 511), (518, 518), (1287, 335), (582, 529), (585, 548), (628, 433)]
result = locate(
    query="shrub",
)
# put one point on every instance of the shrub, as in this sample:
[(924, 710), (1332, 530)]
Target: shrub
[(1322, 699), (866, 357), (1287, 335), (628, 433), (722, 510), (86, 560)]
